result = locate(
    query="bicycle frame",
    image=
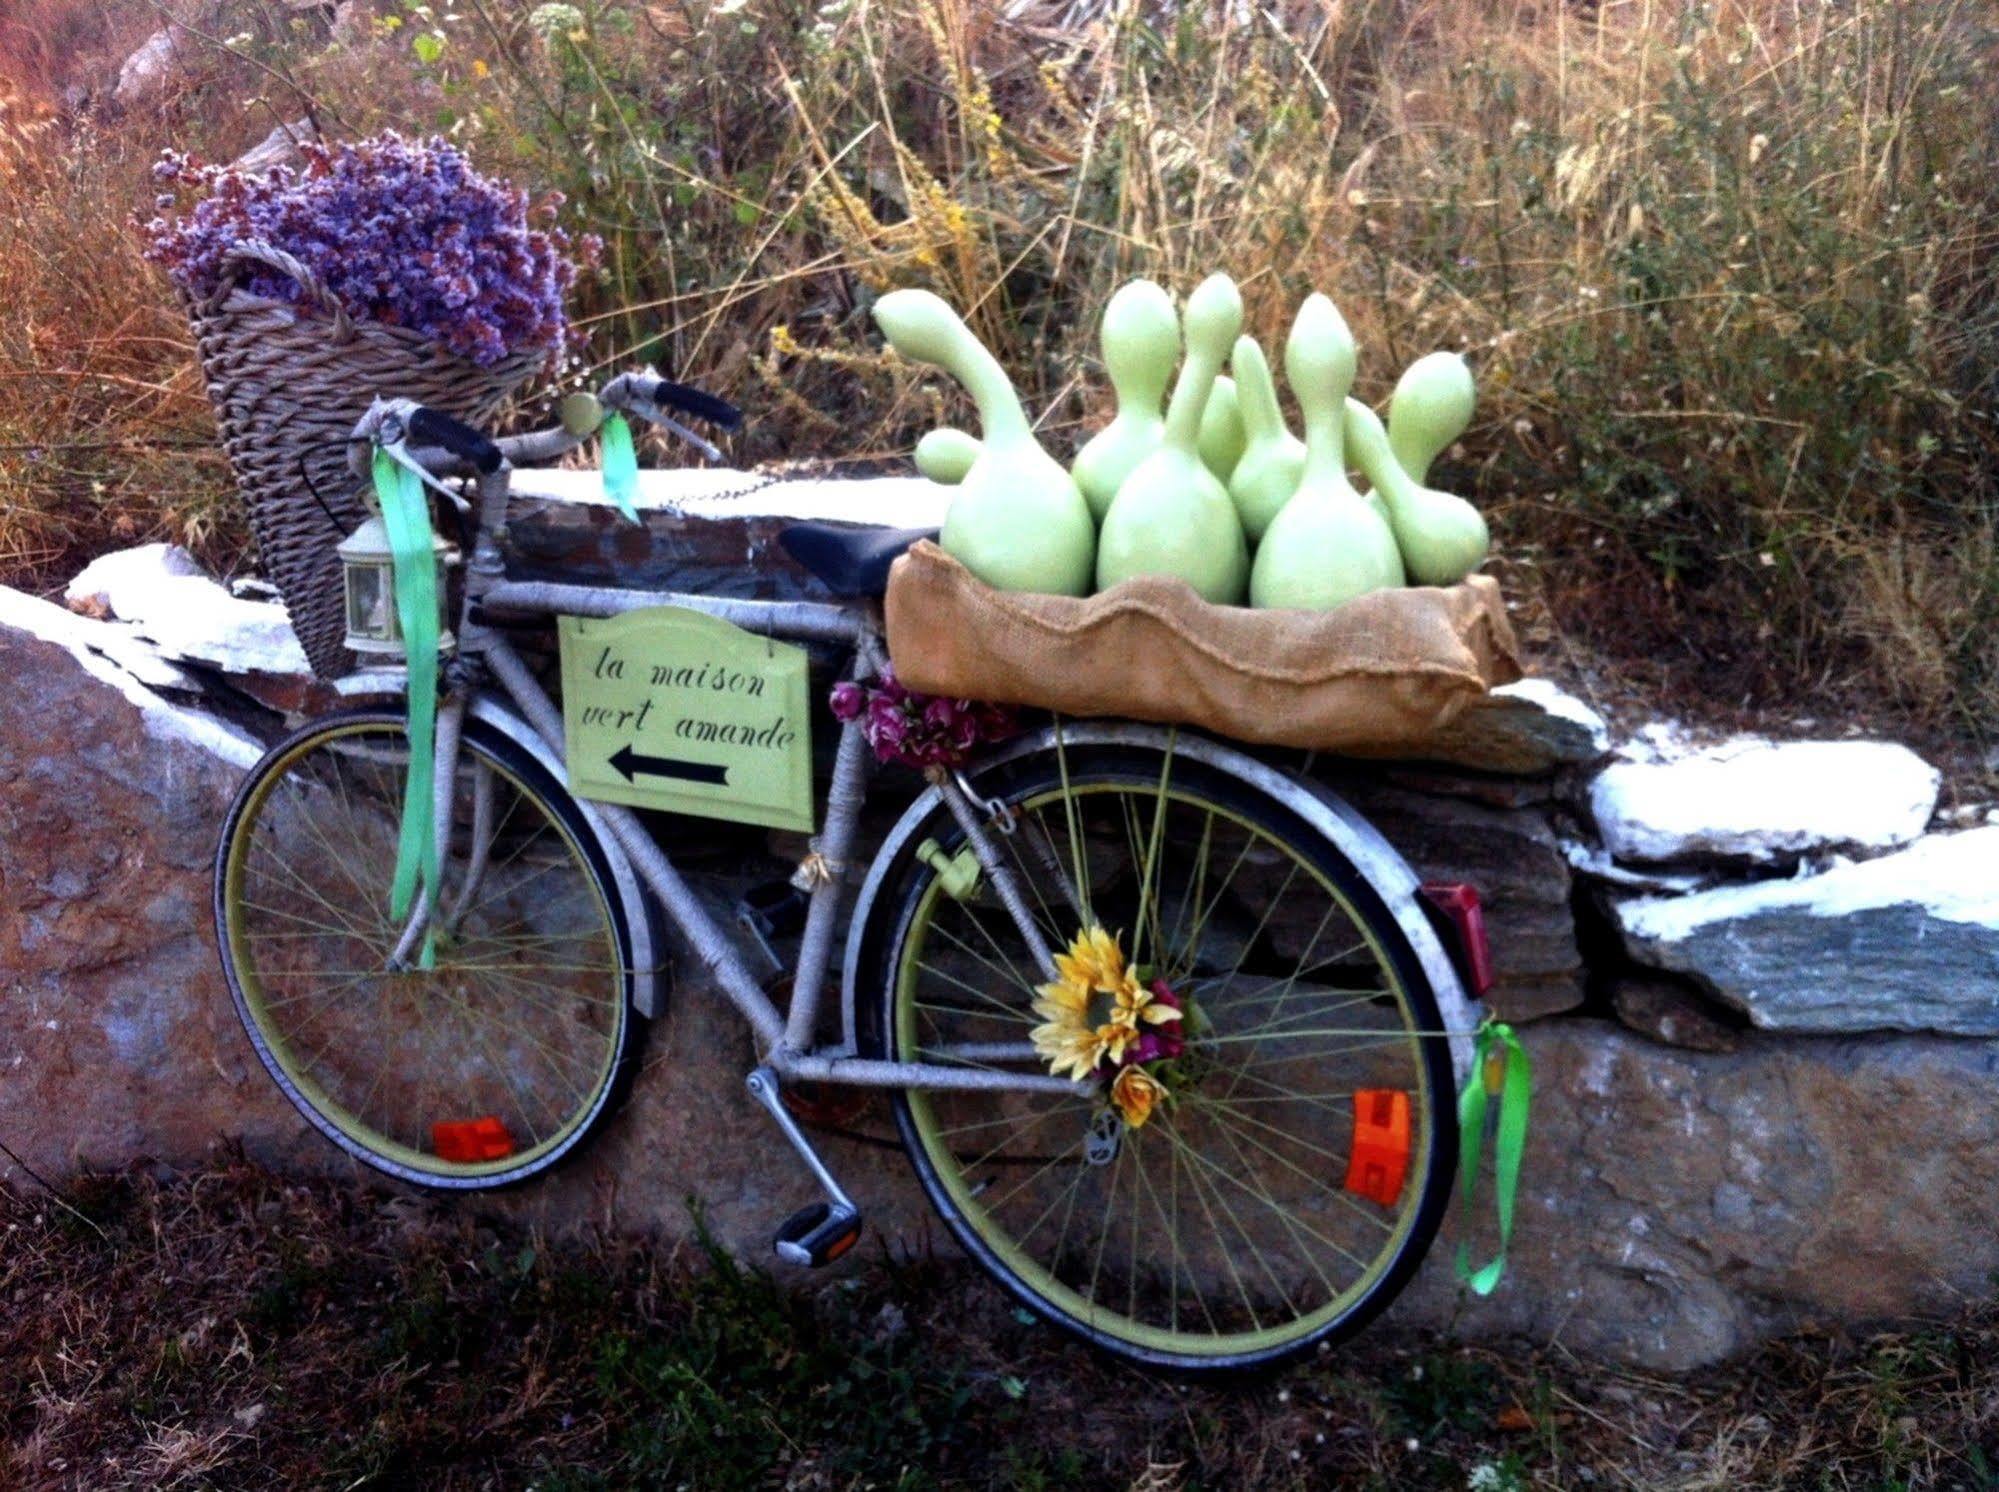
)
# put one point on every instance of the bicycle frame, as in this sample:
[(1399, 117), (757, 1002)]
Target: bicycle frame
[(786, 1040)]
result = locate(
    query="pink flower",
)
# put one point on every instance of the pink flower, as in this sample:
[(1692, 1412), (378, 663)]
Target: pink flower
[(848, 700)]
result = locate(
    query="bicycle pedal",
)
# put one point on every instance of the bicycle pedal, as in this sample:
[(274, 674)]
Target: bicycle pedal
[(817, 1235)]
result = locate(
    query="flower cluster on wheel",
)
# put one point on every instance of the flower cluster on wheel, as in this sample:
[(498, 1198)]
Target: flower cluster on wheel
[(1102, 1021)]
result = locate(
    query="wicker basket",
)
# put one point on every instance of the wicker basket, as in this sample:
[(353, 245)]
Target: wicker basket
[(287, 391)]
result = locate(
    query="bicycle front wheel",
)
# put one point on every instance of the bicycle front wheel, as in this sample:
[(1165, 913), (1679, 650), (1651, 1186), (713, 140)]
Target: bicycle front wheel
[(1287, 1167), (480, 1071)]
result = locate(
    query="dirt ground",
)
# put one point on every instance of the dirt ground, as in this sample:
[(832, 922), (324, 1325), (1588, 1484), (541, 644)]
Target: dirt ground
[(236, 1329)]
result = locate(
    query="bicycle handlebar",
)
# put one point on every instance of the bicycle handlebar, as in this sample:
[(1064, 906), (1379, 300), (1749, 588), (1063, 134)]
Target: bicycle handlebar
[(439, 443), (432, 428), (647, 387)]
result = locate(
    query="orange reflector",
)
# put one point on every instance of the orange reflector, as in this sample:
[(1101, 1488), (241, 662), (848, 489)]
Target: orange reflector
[(1379, 1160), (465, 1141)]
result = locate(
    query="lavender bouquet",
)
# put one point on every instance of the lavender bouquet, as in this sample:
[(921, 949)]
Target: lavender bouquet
[(399, 231)]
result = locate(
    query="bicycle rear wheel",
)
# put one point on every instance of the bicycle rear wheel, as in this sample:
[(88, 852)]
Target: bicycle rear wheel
[(483, 1070), (1294, 1167)]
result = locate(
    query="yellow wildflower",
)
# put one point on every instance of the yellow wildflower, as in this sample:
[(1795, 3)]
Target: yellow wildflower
[(1092, 1011), (1136, 1093)]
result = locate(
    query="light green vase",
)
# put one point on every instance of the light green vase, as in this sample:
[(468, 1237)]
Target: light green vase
[(1273, 459), (1171, 516), (1430, 408), (946, 454), (1442, 538), (1222, 436), (1141, 342), (1326, 546), (1017, 521)]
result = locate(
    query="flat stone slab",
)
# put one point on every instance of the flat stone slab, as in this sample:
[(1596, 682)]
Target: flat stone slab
[(1765, 801), (711, 531), (167, 598), (1514, 859), (1676, 1207), (1908, 942), (1528, 728)]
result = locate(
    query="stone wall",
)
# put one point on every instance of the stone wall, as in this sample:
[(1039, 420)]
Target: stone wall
[(1765, 1063)]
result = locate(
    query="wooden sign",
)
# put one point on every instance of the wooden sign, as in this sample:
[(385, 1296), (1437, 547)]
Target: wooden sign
[(680, 711)]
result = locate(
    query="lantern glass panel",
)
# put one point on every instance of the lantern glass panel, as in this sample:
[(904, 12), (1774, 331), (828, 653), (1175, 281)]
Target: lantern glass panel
[(371, 610)]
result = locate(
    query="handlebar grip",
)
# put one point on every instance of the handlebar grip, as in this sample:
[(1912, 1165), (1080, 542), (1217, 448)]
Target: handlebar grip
[(689, 400), (429, 427)]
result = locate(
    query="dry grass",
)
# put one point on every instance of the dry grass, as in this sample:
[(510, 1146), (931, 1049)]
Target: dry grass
[(235, 1329), (1726, 271)]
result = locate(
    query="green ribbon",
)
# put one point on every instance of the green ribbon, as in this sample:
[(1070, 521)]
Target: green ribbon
[(621, 464), (406, 514), (1516, 1089)]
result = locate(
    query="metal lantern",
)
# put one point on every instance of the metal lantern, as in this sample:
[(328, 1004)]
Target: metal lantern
[(374, 628)]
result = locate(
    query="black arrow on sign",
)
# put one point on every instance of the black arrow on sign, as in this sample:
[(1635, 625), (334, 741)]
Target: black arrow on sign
[(631, 763)]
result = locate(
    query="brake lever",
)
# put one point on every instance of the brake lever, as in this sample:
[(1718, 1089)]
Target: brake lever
[(658, 416), (398, 451)]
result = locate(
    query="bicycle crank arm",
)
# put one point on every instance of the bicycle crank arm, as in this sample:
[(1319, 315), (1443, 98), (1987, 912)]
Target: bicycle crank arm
[(824, 1231)]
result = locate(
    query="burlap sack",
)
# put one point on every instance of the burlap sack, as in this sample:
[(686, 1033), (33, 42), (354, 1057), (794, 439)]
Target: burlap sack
[(1378, 674)]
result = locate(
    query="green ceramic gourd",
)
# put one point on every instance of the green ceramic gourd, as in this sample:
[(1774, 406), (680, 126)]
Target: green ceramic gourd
[(946, 454), (1171, 516), (1273, 458), (1222, 436), (1141, 342), (1017, 521), (1430, 408), (1442, 538), (1326, 546)]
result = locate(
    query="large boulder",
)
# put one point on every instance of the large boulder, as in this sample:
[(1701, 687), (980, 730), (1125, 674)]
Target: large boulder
[(117, 1038), (1907, 942), (1764, 801), (145, 74), (1677, 1207)]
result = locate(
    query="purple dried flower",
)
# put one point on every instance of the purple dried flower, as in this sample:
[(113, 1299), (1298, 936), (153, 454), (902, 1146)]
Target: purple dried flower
[(920, 730), (400, 232), (848, 700)]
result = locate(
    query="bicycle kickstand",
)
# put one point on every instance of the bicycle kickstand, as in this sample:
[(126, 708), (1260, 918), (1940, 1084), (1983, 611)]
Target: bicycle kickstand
[(821, 1233)]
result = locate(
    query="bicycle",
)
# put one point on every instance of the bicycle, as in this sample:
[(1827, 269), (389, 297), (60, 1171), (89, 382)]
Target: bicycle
[(1301, 1153)]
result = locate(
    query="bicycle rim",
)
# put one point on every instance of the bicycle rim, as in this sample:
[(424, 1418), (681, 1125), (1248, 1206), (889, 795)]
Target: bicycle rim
[(488, 1066), (1227, 1228)]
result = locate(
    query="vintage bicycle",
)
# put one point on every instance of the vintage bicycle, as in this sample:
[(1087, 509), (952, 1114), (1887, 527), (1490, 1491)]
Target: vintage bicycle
[(1297, 1163)]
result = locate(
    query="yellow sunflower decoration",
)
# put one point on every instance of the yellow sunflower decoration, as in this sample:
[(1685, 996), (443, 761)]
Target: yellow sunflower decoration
[(1092, 1014)]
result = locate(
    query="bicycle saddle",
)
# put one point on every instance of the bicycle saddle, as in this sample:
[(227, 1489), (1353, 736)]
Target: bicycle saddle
[(852, 563)]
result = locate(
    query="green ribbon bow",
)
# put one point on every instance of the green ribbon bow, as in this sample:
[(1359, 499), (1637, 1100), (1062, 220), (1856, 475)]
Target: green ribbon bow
[(406, 514), (1516, 1089), (621, 464)]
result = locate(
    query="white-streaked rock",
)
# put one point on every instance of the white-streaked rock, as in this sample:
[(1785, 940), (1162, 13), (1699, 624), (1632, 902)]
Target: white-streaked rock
[(1906, 942), (1764, 801), (103, 650), (126, 573), (1589, 730), (168, 599), (1529, 728)]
